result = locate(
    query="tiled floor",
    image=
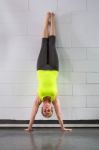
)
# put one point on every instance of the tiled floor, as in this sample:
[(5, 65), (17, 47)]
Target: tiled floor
[(49, 139)]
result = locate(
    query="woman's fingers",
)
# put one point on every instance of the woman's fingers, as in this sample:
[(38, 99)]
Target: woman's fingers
[(28, 129), (65, 129)]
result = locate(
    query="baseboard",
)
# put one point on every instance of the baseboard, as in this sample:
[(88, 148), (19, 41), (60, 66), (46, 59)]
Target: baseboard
[(49, 123)]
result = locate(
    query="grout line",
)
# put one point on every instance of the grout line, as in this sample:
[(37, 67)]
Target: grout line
[(86, 103), (57, 5), (28, 5), (86, 5)]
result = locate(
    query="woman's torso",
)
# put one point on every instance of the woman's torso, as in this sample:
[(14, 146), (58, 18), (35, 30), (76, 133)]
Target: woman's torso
[(47, 83)]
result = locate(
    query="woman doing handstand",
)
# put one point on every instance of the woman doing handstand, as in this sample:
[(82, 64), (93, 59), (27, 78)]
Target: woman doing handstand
[(47, 73)]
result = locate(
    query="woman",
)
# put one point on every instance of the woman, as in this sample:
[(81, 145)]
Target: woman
[(47, 73)]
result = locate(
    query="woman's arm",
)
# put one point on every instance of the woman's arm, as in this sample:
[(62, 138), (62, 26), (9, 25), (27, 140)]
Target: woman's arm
[(59, 115), (33, 113)]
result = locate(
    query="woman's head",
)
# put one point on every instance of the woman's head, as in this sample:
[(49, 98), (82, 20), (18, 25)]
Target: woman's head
[(47, 109)]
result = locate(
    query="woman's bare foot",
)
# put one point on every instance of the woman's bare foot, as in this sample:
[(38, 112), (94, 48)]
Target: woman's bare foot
[(53, 14), (47, 18)]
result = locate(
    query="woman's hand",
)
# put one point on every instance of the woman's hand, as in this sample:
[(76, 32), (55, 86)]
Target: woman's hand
[(65, 129), (28, 129)]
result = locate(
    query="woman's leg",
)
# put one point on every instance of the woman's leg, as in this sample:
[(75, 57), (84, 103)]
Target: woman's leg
[(53, 56), (42, 58)]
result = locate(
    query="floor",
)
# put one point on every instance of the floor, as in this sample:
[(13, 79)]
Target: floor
[(49, 139)]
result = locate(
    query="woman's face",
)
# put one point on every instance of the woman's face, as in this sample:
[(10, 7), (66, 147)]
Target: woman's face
[(47, 108)]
